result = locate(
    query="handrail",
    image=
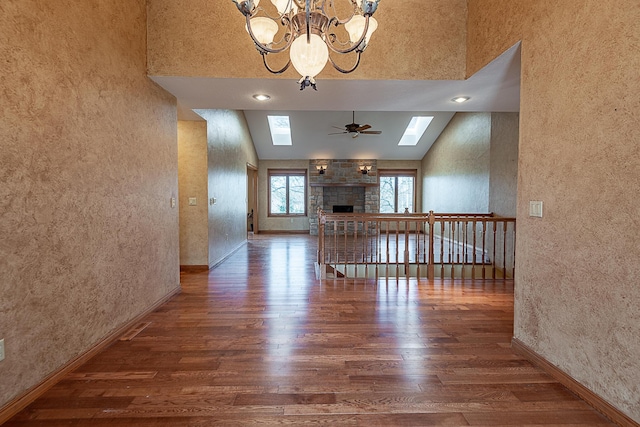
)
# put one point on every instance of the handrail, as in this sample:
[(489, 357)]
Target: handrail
[(404, 215), (478, 245)]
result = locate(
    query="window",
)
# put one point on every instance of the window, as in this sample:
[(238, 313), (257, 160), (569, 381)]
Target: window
[(287, 192), (416, 128), (280, 130), (397, 191)]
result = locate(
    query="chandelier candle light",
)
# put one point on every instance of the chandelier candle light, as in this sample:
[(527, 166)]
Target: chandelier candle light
[(307, 28)]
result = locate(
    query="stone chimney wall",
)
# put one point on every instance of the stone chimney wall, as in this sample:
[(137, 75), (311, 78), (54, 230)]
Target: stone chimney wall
[(342, 184)]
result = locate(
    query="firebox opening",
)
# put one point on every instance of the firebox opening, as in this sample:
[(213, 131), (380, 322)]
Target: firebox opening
[(342, 208)]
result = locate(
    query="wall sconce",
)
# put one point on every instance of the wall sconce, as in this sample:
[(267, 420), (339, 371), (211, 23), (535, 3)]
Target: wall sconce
[(321, 169), (365, 169)]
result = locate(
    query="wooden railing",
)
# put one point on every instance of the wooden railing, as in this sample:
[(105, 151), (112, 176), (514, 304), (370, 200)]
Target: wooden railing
[(445, 245)]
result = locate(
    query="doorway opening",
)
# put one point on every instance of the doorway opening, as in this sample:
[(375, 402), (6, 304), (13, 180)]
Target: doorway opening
[(252, 200)]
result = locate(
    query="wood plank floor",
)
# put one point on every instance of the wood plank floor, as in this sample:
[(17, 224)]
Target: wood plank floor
[(259, 342)]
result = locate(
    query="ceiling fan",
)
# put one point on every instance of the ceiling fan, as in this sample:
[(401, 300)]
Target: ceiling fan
[(356, 129)]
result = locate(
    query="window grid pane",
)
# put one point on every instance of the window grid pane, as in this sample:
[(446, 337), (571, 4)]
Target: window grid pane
[(278, 187), (387, 194), (405, 193), (296, 194)]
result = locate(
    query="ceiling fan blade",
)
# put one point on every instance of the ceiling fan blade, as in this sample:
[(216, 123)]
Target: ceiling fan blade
[(338, 133), (336, 127), (363, 127), (372, 132)]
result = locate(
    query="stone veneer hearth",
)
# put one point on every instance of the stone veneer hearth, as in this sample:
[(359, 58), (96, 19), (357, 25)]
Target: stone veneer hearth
[(342, 184)]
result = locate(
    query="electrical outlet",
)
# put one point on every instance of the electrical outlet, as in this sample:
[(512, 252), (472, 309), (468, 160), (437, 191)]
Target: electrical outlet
[(1, 349)]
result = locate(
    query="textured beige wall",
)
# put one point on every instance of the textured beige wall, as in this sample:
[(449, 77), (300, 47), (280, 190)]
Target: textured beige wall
[(214, 42), (268, 223), (503, 175), (192, 182), (491, 32), (230, 148), (577, 273), (88, 164), (455, 170)]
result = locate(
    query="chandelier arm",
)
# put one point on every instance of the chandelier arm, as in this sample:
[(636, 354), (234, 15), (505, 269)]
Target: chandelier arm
[(263, 48), (342, 70), (271, 70), (308, 20), (339, 21), (299, 3), (355, 46), (243, 7)]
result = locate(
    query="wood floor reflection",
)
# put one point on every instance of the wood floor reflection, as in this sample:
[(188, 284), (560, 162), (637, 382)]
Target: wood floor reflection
[(259, 341)]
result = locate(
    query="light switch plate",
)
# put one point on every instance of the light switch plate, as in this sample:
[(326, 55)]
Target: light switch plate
[(193, 201), (173, 202), (535, 208), (1, 349)]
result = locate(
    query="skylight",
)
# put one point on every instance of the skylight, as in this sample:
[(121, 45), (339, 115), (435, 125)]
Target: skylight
[(280, 130), (415, 130)]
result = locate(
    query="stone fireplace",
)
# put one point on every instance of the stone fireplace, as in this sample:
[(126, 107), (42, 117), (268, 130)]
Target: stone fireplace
[(342, 184)]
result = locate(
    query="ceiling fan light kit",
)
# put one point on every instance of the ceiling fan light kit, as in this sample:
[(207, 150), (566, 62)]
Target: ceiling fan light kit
[(307, 28)]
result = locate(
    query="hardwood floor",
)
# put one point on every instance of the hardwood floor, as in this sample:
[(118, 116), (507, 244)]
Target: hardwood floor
[(259, 342)]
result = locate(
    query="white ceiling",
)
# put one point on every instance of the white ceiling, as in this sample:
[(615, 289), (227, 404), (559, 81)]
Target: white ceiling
[(386, 105), (311, 140)]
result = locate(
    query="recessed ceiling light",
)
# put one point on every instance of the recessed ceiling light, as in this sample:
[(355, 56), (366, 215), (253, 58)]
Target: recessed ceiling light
[(262, 97), (461, 99)]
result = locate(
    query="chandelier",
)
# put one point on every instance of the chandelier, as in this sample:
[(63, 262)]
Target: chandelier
[(307, 29)]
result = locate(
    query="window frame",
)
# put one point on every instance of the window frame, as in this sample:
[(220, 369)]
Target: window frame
[(287, 173), (396, 173)]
